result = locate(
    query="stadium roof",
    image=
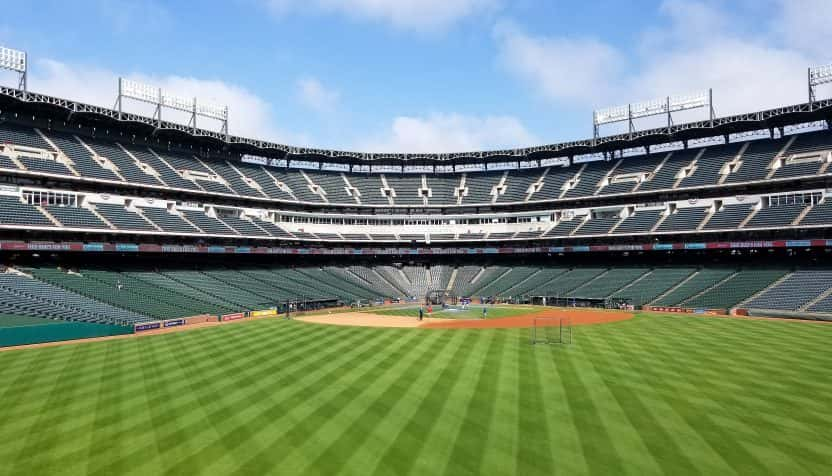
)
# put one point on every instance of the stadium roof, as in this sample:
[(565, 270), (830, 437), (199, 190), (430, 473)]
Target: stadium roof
[(97, 116)]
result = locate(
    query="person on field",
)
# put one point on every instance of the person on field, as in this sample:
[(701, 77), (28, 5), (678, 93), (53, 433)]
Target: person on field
[(484, 312), (421, 313)]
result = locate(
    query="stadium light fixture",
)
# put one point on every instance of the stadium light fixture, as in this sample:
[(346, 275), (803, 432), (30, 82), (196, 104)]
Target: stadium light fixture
[(817, 76), (129, 89), (664, 106), (15, 60)]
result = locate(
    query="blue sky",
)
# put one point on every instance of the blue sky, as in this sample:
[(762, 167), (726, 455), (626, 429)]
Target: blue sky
[(423, 75)]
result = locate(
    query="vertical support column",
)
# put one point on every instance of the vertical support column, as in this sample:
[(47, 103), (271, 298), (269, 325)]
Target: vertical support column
[(193, 117), (811, 89), (23, 84), (711, 105), (158, 113), (118, 99)]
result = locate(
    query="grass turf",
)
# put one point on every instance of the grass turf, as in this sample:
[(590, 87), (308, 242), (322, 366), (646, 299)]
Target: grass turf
[(674, 395), (473, 312)]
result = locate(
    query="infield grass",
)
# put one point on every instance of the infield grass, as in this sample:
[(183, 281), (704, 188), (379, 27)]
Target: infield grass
[(673, 395)]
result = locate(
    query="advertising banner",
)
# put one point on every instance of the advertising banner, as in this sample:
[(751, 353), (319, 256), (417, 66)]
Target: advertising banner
[(263, 313), (147, 326)]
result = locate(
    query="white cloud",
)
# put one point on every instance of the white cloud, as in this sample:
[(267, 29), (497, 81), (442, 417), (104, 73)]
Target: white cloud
[(450, 133), (314, 95), (249, 115), (418, 15), (563, 69), (804, 25), (698, 47)]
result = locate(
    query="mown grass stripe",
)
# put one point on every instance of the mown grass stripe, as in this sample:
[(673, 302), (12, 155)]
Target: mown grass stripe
[(599, 451), (314, 375), (357, 444), (440, 439), (470, 443), (297, 440), (534, 453), (88, 399), (36, 451), (405, 448), (173, 414), (333, 413), (502, 441), (666, 440)]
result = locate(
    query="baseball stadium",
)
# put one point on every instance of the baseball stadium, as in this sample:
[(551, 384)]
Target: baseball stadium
[(182, 300)]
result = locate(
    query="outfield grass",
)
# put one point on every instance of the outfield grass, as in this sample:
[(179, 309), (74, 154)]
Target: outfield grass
[(674, 395), (473, 312)]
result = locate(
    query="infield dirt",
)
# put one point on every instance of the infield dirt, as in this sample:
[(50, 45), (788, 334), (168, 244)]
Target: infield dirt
[(578, 317)]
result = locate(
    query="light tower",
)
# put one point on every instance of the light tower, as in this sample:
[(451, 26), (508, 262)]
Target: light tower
[(15, 60), (656, 107), (129, 89)]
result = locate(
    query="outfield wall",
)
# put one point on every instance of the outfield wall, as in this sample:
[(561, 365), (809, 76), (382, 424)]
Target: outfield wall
[(54, 332)]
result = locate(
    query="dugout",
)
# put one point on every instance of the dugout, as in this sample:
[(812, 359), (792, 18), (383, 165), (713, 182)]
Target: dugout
[(306, 304)]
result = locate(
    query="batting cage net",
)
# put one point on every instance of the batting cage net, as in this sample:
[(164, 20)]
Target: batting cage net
[(551, 330), (441, 297)]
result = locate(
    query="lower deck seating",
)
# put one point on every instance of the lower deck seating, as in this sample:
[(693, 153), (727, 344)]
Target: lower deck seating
[(608, 283), (31, 297), (695, 284), (736, 289), (652, 285), (794, 291), (122, 296)]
